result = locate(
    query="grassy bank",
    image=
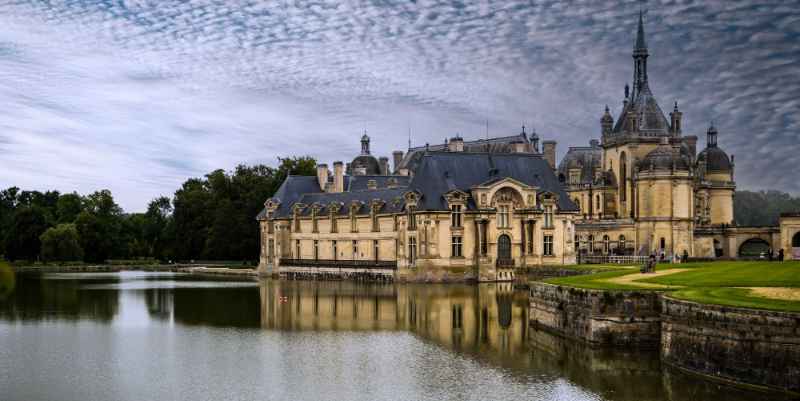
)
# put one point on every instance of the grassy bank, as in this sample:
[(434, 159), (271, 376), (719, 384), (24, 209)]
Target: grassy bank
[(723, 283)]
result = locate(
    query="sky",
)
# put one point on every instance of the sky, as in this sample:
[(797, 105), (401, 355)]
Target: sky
[(137, 96)]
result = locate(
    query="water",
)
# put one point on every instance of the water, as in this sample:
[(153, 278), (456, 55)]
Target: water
[(168, 336)]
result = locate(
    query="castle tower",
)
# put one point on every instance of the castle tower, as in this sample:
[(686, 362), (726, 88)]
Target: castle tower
[(716, 171)]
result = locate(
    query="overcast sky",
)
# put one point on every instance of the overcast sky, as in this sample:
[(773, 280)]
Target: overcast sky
[(138, 96)]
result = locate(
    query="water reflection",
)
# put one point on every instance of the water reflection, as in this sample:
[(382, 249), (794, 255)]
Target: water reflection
[(442, 341)]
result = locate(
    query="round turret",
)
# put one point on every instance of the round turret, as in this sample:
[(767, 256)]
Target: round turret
[(664, 157)]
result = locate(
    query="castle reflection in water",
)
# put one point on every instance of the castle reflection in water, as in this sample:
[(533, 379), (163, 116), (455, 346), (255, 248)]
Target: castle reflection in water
[(484, 317)]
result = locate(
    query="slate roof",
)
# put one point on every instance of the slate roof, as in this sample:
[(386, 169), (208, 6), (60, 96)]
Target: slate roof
[(500, 144), (441, 172), (715, 159), (359, 182), (290, 191), (586, 158), (392, 199), (649, 115)]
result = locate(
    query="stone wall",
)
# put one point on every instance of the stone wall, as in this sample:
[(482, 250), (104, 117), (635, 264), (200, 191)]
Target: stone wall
[(621, 318), (748, 346)]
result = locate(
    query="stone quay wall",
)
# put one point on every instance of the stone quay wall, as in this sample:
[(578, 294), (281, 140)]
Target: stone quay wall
[(754, 347), (618, 318)]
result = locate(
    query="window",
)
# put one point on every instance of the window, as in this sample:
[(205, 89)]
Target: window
[(548, 216), (502, 216), (605, 244), (334, 250), (597, 203), (314, 224), (297, 249), (270, 227), (334, 229), (394, 222), (591, 244), (297, 221), (412, 219), (622, 243), (353, 221), (412, 250), (271, 249), (375, 226), (316, 250), (355, 250), (376, 249), (663, 243), (529, 237), (484, 240), (548, 245), (455, 217), (455, 247)]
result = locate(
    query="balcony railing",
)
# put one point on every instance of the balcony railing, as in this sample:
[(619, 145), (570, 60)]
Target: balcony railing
[(505, 263), (340, 264)]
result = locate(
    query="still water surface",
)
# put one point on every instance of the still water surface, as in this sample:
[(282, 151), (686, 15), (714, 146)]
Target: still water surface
[(168, 336)]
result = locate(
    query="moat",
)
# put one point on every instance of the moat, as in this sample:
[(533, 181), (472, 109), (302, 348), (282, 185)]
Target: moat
[(137, 335)]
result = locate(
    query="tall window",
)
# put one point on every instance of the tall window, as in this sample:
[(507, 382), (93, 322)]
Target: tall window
[(297, 249), (623, 177), (334, 229), (606, 244), (548, 245), (353, 221), (316, 250), (376, 250), (597, 203), (314, 224), (297, 221), (334, 250), (355, 250), (270, 227), (455, 217), (412, 219), (622, 243), (394, 222), (548, 216), (663, 243), (484, 240), (529, 237), (502, 216), (375, 226), (591, 244), (412, 250), (455, 247), (270, 248)]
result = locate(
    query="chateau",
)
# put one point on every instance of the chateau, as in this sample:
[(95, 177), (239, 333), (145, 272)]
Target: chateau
[(477, 210)]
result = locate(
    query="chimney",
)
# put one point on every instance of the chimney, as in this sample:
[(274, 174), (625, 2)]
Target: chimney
[(549, 151), (322, 175), (456, 144), (398, 158), (384, 162), (691, 142), (338, 177), (518, 147)]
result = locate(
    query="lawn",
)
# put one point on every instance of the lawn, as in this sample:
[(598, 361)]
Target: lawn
[(723, 283)]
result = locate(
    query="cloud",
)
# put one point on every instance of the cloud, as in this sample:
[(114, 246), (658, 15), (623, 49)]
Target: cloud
[(136, 96)]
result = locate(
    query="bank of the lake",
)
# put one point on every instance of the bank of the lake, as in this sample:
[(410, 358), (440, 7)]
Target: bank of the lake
[(692, 312)]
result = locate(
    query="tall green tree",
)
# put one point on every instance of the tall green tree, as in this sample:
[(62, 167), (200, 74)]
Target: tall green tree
[(22, 238), (68, 207), (762, 208), (61, 243)]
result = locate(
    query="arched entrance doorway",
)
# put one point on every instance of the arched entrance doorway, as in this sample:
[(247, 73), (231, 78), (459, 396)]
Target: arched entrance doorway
[(796, 246), (504, 248), (753, 247)]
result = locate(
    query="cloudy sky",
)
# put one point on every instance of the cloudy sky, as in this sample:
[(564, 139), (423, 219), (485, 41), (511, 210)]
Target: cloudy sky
[(136, 96)]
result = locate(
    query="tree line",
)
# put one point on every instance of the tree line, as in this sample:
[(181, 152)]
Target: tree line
[(209, 218), (762, 208)]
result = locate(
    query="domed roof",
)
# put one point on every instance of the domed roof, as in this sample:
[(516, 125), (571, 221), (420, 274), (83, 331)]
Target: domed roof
[(664, 157), (715, 159), (368, 162)]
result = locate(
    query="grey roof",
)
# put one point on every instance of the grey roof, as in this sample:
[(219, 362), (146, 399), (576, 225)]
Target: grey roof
[(392, 198), (586, 158), (500, 144), (368, 162), (360, 182), (664, 157), (293, 187), (650, 118), (441, 172), (715, 159)]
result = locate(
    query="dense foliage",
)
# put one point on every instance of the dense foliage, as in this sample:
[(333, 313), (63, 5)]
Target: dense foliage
[(209, 218), (762, 208)]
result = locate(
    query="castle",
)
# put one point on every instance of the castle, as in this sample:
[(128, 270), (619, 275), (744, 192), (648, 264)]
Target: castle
[(478, 210)]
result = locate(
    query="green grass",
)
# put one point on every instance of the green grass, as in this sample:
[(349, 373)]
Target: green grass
[(708, 282)]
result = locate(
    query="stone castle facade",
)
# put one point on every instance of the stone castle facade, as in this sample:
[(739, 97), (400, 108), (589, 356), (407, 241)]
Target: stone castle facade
[(478, 210)]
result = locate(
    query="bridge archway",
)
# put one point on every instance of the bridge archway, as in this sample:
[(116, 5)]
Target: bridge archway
[(753, 247)]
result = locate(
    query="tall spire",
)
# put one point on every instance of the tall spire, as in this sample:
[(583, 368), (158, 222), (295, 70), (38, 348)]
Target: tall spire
[(639, 60)]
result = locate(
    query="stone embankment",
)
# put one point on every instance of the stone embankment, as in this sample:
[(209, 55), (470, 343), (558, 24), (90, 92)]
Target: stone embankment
[(756, 348), (181, 268)]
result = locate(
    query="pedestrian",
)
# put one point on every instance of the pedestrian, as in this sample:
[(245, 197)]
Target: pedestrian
[(780, 255), (769, 254), (685, 256)]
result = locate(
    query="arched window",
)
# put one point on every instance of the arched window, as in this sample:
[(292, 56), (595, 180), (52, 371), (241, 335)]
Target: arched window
[(623, 177)]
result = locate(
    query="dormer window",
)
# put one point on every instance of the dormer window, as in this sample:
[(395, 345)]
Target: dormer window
[(455, 216)]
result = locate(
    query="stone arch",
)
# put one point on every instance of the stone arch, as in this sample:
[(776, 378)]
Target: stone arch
[(753, 247), (507, 194), (796, 240), (504, 247)]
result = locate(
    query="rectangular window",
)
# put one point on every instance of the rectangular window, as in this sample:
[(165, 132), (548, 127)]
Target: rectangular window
[(316, 250), (548, 216), (529, 237), (334, 250), (314, 223), (455, 247), (502, 216), (333, 223), (484, 240), (353, 223), (412, 250), (548, 245), (296, 222), (375, 225), (376, 250), (455, 217), (297, 249), (271, 249), (355, 250), (394, 222), (270, 227), (412, 218)]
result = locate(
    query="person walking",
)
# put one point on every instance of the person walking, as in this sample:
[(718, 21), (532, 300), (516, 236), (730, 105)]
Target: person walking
[(780, 255)]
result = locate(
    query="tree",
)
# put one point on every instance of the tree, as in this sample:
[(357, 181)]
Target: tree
[(68, 207), (762, 208), (100, 228), (61, 243), (22, 238)]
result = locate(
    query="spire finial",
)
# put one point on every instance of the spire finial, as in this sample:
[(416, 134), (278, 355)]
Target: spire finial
[(640, 43), (523, 129)]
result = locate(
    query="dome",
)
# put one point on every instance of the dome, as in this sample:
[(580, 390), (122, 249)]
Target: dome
[(607, 178), (664, 157), (715, 159), (368, 162)]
